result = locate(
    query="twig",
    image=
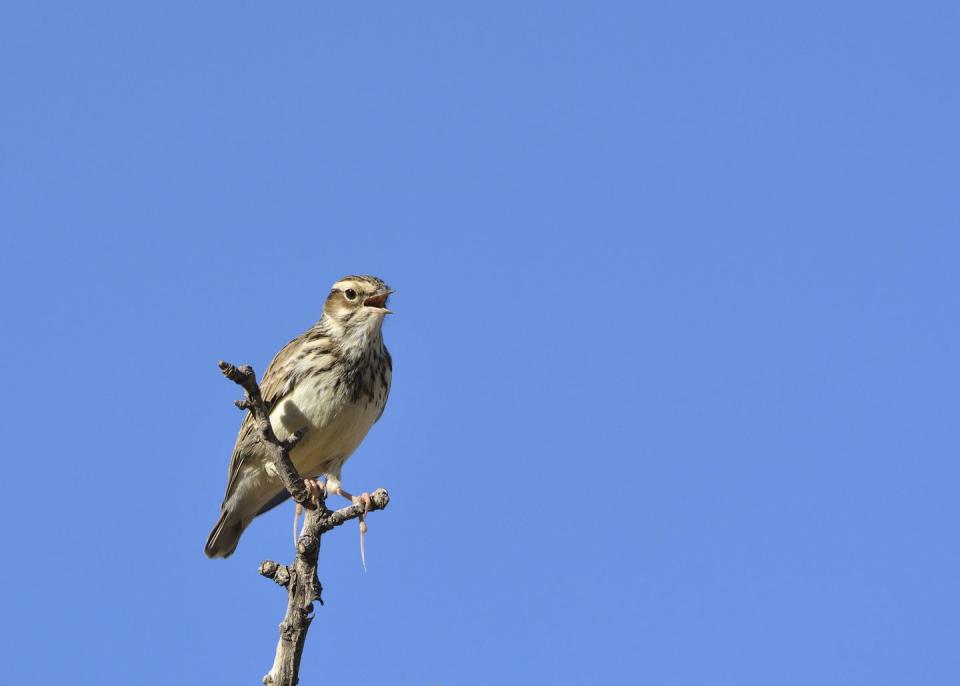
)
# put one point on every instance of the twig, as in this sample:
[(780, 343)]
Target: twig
[(300, 579), (303, 586)]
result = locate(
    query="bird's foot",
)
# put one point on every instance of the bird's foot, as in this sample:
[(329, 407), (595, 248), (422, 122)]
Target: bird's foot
[(316, 489), (365, 500)]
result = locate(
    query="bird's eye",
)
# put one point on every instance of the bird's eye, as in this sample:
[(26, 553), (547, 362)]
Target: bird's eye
[(351, 294)]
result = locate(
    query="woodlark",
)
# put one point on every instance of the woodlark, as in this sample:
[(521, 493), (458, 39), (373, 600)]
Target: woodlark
[(333, 382)]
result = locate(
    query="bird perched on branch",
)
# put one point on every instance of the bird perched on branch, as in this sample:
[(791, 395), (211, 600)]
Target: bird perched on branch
[(332, 382)]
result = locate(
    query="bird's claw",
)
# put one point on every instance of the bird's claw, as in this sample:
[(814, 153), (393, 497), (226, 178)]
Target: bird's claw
[(315, 489), (363, 499)]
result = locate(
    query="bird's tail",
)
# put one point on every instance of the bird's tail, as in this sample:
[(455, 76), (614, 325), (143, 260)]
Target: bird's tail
[(225, 536)]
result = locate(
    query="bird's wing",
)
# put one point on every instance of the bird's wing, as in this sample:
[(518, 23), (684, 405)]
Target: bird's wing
[(277, 382)]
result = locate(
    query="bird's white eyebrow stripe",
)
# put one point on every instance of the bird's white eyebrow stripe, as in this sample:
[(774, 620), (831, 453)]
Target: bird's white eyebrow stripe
[(344, 285)]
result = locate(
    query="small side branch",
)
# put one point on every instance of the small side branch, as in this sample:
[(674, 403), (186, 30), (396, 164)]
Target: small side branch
[(379, 500)]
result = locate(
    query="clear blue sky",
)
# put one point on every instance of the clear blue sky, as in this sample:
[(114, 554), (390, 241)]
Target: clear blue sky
[(676, 343)]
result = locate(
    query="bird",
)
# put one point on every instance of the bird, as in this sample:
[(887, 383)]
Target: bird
[(331, 385)]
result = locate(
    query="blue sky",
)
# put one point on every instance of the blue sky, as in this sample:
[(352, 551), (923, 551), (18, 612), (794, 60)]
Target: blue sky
[(675, 392)]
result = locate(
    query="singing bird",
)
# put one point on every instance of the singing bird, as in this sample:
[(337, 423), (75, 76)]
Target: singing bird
[(332, 382)]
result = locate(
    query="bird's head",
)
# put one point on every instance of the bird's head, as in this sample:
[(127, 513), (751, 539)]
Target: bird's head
[(357, 304)]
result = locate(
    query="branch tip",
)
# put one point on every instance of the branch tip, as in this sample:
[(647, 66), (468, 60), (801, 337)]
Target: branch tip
[(273, 570)]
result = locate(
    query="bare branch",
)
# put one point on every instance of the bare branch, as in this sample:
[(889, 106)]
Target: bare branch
[(300, 579)]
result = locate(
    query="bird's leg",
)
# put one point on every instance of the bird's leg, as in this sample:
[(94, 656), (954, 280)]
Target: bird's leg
[(362, 499)]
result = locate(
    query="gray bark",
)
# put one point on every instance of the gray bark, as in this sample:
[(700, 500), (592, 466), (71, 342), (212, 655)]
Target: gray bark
[(303, 586), (300, 579)]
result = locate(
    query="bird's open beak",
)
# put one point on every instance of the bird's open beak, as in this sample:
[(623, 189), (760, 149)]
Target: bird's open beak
[(378, 302)]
